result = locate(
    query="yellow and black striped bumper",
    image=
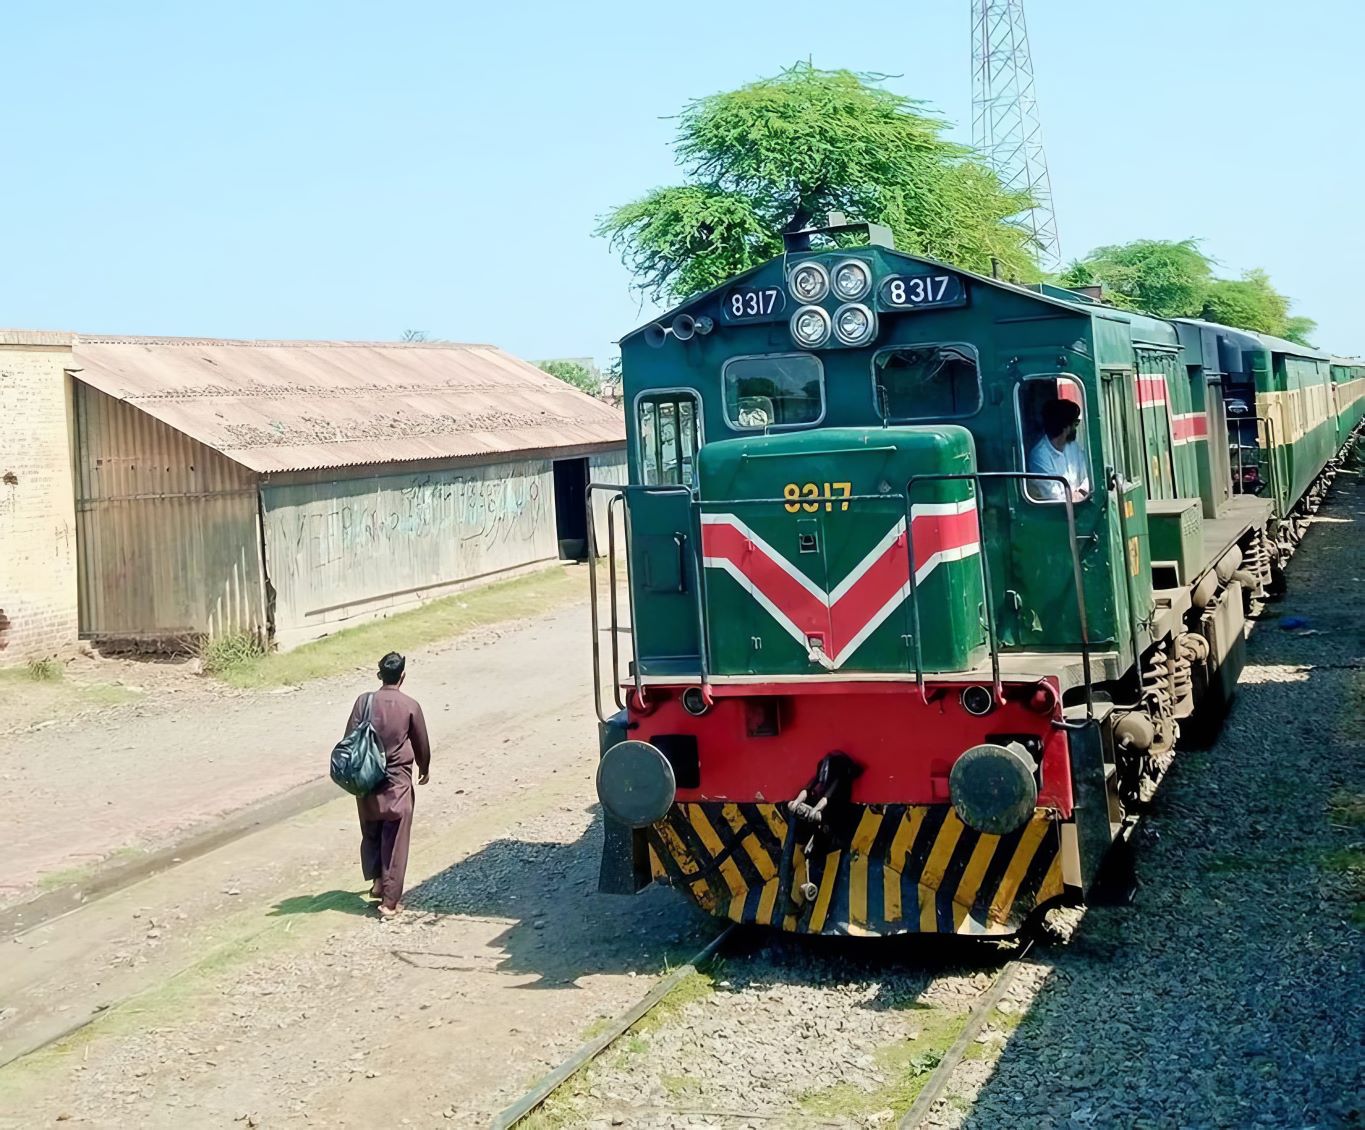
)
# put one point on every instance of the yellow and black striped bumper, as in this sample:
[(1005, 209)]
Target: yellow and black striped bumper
[(905, 869)]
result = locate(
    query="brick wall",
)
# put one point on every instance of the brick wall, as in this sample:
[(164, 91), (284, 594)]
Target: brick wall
[(37, 507)]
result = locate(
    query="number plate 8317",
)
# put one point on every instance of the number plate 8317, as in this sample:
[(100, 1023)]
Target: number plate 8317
[(744, 303), (918, 291)]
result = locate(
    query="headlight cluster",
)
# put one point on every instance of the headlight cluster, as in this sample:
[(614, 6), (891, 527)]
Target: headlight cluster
[(853, 323)]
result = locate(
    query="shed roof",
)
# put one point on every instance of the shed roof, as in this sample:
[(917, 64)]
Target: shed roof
[(297, 405)]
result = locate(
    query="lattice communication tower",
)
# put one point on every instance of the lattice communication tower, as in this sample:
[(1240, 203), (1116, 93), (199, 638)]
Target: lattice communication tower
[(1005, 126)]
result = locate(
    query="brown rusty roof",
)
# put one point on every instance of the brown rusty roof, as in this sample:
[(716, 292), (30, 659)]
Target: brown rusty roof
[(295, 405)]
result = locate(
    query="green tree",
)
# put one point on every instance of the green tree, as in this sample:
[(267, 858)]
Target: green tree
[(1252, 303), (1171, 279), (573, 373), (1162, 277), (779, 154)]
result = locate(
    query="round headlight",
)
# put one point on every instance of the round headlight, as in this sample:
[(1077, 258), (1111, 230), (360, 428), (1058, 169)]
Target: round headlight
[(810, 327), (852, 280), (809, 282), (853, 324)]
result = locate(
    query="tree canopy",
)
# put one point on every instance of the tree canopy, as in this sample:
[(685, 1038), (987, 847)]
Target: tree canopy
[(574, 373), (779, 154), (1171, 279)]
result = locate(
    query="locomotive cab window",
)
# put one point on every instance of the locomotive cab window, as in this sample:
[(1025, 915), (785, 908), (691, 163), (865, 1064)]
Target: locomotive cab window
[(669, 438), (927, 382), (1052, 437), (782, 391)]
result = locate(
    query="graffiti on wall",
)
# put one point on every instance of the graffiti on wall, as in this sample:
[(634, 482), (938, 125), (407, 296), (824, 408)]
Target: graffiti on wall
[(331, 544), (466, 508)]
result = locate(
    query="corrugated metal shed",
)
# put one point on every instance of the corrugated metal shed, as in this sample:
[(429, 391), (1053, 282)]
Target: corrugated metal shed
[(167, 530), (298, 405)]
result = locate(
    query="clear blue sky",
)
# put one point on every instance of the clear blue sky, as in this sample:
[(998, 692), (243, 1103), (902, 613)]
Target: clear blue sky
[(348, 170)]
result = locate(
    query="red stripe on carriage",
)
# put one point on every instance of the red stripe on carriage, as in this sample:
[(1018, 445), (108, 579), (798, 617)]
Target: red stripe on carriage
[(1151, 392), (1190, 425)]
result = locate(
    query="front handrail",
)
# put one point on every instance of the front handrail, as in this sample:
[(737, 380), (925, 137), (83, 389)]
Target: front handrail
[(1266, 452), (618, 493), (992, 639)]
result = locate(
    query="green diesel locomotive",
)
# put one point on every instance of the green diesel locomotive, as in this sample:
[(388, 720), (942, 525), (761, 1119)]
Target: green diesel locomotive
[(926, 571)]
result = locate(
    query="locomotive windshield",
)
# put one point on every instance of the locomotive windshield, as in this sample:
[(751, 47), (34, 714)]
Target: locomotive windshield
[(927, 382), (774, 392)]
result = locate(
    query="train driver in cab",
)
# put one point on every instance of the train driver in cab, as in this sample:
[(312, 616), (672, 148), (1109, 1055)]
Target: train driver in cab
[(1058, 452)]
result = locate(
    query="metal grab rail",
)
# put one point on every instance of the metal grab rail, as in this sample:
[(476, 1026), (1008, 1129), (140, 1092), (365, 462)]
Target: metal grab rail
[(1270, 449), (992, 640), (618, 493)]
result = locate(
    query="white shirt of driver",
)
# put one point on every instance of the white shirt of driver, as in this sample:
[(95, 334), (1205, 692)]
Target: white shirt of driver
[(1069, 463)]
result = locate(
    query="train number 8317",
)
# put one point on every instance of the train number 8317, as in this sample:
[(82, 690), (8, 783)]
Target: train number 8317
[(799, 493)]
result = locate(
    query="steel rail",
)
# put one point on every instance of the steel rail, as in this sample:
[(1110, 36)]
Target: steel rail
[(985, 1005), (580, 1059)]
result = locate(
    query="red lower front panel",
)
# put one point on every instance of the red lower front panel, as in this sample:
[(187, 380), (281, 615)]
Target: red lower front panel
[(763, 743)]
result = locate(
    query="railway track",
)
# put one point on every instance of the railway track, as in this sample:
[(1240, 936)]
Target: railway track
[(970, 1026)]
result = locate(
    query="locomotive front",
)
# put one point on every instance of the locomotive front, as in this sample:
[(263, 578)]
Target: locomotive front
[(840, 713)]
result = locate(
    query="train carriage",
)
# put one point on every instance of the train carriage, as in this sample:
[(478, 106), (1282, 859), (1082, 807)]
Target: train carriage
[(1348, 396), (897, 665)]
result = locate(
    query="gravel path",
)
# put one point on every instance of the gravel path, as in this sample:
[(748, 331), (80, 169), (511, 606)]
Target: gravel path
[(79, 790), (333, 1018), (1232, 991)]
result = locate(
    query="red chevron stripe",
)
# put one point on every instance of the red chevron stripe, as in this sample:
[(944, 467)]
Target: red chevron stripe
[(842, 618)]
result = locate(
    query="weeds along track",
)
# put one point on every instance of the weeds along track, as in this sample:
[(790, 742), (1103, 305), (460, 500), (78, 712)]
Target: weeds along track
[(761, 1029)]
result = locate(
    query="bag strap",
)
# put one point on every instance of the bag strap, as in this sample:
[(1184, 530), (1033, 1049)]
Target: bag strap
[(366, 709)]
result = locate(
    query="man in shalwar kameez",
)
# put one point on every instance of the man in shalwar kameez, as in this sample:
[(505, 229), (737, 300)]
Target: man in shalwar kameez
[(386, 813)]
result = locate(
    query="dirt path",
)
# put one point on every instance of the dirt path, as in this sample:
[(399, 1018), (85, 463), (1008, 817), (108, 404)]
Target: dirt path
[(250, 981), (141, 775)]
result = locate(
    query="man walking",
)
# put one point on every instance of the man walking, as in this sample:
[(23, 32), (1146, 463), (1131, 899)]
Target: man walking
[(386, 813)]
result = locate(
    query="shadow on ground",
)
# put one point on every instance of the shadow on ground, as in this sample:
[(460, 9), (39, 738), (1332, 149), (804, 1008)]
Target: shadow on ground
[(345, 902), (559, 928), (555, 924), (1229, 993)]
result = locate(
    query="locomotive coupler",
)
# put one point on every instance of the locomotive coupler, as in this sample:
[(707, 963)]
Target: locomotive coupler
[(808, 822)]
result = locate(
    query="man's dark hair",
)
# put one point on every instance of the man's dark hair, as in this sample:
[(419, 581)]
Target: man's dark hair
[(1058, 415), (391, 668)]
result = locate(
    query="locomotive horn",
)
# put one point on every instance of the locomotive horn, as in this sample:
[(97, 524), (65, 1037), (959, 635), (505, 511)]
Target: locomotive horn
[(684, 326), (656, 335)]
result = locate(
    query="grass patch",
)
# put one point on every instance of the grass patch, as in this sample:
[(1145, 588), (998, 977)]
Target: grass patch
[(407, 631), (1346, 867), (694, 987), (75, 876), (907, 1065), (678, 1085), (222, 655), (1347, 809), (26, 700), (597, 1028), (45, 670)]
